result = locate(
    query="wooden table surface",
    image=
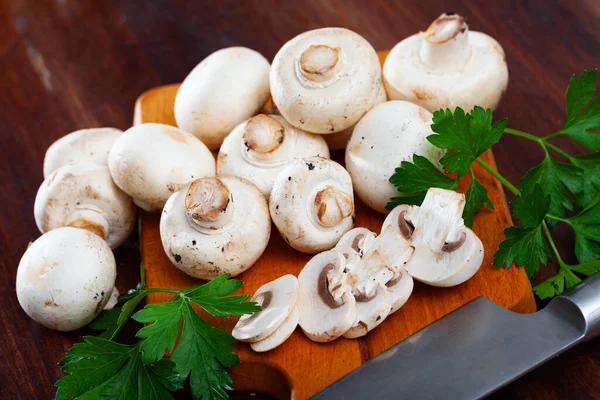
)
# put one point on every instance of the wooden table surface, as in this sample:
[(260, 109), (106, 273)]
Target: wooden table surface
[(72, 64)]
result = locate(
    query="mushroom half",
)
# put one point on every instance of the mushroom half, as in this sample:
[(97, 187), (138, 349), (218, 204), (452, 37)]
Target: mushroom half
[(214, 226), (312, 204), (447, 66), (447, 253), (389, 134), (225, 89), (151, 161), (325, 80), (84, 196), (258, 149)]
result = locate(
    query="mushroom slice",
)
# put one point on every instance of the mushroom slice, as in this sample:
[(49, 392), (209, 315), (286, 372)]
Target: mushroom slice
[(85, 145), (113, 300), (323, 318), (370, 312), (325, 80), (214, 226), (84, 196), (387, 135), (150, 162), (358, 239), (446, 252), (277, 299), (399, 289), (312, 204), (280, 335), (447, 66), (259, 148)]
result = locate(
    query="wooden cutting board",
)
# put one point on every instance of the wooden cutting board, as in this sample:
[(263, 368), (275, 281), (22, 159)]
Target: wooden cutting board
[(300, 367)]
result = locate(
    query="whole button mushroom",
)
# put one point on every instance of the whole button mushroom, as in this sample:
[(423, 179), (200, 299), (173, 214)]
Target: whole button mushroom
[(312, 204), (84, 196), (214, 226), (86, 145), (225, 89), (447, 66), (65, 278), (447, 253), (389, 134), (151, 161), (258, 149), (325, 80)]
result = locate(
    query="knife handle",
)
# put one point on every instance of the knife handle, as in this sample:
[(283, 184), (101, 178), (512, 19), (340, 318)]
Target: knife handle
[(581, 307)]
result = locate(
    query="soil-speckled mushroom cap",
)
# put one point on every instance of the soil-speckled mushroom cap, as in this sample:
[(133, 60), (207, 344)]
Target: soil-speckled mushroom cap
[(151, 161), (65, 278), (389, 134), (258, 149), (324, 80), (214, 226), (85, 196), (225, 89), (447, 66)]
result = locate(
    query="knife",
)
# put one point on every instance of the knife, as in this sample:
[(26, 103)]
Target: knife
[(475, 350)]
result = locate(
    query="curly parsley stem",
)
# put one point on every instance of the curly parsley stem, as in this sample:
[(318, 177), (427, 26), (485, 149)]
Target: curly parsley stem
[(497, 175)]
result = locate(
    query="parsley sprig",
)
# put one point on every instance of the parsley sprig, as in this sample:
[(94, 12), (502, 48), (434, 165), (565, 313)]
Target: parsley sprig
[(102, 368), (548, 192)]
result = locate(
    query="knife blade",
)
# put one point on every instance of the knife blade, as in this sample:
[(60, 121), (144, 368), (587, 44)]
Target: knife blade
[(474, 350)]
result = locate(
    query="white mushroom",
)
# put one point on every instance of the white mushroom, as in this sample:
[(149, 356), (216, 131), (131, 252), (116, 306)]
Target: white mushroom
[(277, 300), (399, 288), (312, 204), (84, 196), (447, 253), (280, 335), (151, 161), (85, 145), (389, 134), (370, 312), (225, 89), (323, 318), (258, 149), (325, 80), (215, 226), (65, 278), (447, 66), (358, 239)]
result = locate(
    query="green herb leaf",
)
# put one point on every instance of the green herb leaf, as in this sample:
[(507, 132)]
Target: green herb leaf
[(210, 297), (565, 279), (523, 246), (420, 175), (107, 322), (531, 208), (412, 199), (581, 120), (588, 268), (586, 226), (590, 184), (475, 198)]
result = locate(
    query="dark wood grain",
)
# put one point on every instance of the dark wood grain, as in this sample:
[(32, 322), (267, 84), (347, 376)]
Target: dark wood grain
[(70, 64)]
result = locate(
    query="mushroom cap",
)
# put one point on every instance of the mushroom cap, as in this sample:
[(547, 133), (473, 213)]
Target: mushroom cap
[(85, 145), (65, 278), (324, 80), (151, 161), (312, 204), (370, 312), (225, 89), (389, 134), (280, 335), (85, 196), (399, 289), (277, 299), (322, 318), (258, 149), (358, 239), (446, 67), (232, 230)]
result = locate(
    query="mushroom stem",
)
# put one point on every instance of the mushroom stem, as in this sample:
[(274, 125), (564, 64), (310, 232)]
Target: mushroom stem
[(91, 218), (332, 205), (445, 46), (318, 63), (262, 135), (208, 205)]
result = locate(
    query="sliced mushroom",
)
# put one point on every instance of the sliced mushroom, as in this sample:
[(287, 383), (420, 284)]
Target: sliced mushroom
[(113, 300), (358, 239), (323, 318), (65, 278), (389, 134), (258, 149), (447, 66), (325, 80), (370, 312), (85, 145), (280, 335), (277, 299), (312, 204), (151, 161), (399, 288), (214, 226), (225, 89), (84, 196), (446, 252)]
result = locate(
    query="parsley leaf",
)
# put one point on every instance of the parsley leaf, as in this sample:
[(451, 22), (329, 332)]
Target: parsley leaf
[(420, 175), (581, 121), (523, 246), (586, 226), (475, 198), (412, 199), (590, 185), (531, 208)]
